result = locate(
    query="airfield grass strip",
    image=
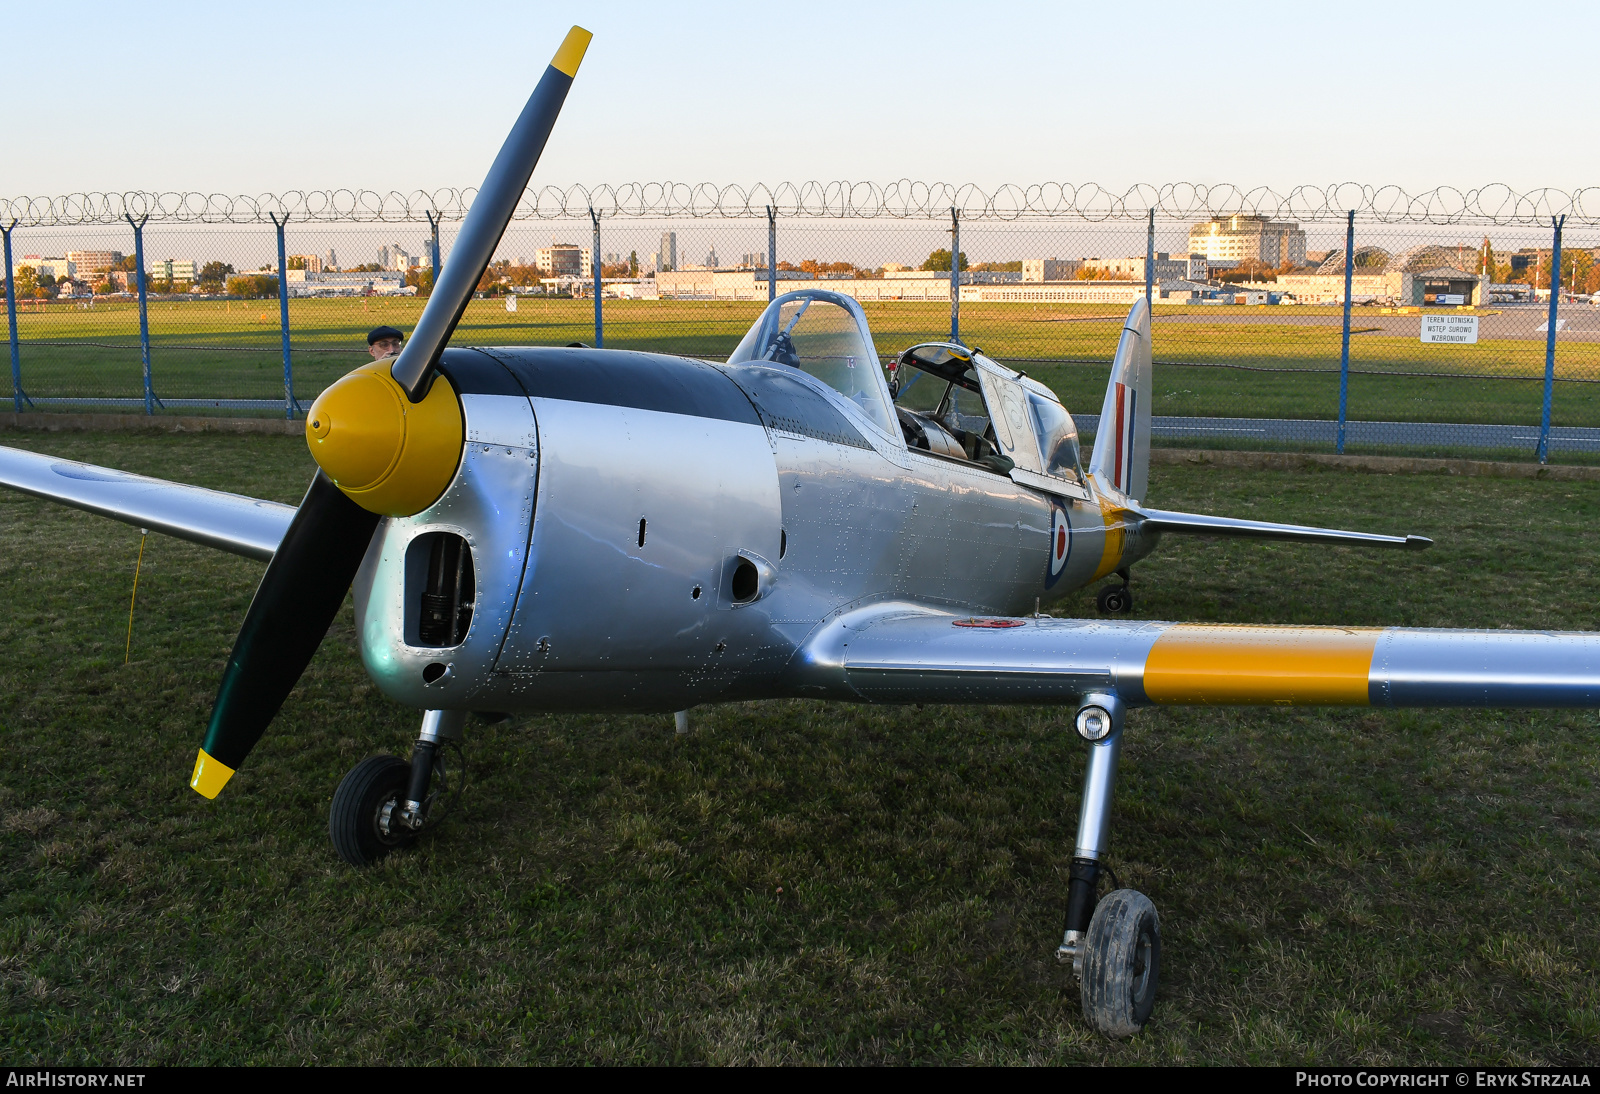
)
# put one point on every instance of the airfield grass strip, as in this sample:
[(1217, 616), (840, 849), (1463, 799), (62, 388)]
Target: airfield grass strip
[(798, 881)]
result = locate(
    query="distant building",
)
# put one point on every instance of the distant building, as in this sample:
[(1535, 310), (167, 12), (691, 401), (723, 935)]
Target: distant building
[(1237, 238), (330, 261), (93, 265), (174, 269), (1425, 275), (753, 260), (711, 259), (1048, 269), (42, 266), (333, 283), (564, 260), (1167, 267), (669, 251)]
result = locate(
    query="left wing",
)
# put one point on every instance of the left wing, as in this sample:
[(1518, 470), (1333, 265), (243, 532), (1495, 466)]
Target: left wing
[(1200, 524), (228, 522), (910, 653)]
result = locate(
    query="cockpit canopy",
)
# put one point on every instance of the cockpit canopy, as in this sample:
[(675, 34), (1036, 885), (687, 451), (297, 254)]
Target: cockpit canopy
[(824, 334), (955, 401)]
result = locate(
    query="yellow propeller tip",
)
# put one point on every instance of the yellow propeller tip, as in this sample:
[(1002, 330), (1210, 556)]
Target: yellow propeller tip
[(210, 775), (570, 55)]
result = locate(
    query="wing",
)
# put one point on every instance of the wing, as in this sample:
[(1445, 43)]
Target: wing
[(228, 522), (1199, 524), (910, 653)]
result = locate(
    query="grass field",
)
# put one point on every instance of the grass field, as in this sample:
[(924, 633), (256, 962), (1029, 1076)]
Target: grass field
[(231, 349), (798, 881)]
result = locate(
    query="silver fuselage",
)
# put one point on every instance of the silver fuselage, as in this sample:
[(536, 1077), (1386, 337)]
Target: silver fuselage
[(573, 611)]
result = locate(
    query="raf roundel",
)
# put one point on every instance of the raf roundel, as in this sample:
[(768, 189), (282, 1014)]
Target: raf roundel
[(1060, 544)]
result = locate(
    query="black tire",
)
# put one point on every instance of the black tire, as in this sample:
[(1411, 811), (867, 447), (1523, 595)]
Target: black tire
[(1114, 599), (355, 818), (1121, 963)]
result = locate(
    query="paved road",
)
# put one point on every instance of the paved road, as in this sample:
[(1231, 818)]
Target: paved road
[(1303, 430), (186, 404), (1515, 322), (1409, 434)]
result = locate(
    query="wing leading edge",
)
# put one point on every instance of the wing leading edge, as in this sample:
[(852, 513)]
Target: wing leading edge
[(229, 522), (907, 653)]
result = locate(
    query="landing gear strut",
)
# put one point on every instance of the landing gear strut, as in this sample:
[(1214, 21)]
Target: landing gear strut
[(1116, 599), (1112, 943), (384, 802)]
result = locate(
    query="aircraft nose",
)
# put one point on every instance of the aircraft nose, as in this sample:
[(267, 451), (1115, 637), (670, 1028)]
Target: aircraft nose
[(387, 454)]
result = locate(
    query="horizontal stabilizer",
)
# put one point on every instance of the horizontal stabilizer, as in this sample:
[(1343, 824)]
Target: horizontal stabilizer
[(1200, 524), (228, 522)]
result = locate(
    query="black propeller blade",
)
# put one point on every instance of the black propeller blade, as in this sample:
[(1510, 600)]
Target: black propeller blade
[(293, 608), (486, 222), (352, 420)]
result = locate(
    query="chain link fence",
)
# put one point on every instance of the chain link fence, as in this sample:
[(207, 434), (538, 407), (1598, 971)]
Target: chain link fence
[(180, 304)]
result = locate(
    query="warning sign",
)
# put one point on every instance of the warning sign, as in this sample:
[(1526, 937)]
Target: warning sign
[(1459, 329)]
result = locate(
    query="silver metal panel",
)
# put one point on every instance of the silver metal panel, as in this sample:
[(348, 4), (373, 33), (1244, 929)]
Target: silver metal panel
[(229, 522), (597, 604), (1447, 668), (490, 505), (904, 652)]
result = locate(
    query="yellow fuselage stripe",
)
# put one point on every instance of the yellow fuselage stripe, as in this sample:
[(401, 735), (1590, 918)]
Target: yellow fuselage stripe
[(1318, 666), (1116, 522)]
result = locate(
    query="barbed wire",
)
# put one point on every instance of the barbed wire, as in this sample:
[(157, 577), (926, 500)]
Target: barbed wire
[(1493, 205)]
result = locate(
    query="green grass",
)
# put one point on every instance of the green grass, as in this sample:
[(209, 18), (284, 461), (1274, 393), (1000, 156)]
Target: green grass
[(797, 881), (1506, 386)]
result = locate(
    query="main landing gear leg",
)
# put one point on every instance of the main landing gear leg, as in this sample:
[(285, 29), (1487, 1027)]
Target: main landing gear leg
[(384, 802), (1114, 944)]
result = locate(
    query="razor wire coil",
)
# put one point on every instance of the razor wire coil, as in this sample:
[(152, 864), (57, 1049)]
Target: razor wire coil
[(1492, 205)]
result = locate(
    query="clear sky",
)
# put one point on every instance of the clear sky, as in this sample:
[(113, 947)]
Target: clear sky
[(402, 96)]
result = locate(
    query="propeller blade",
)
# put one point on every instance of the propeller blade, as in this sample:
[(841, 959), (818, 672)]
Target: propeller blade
[(486, 222), (293, 607)]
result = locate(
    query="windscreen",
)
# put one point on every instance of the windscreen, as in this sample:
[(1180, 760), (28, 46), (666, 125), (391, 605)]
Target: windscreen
[(824, 339)]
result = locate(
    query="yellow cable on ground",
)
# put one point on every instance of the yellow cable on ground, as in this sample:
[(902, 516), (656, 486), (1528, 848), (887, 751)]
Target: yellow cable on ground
[(144, 533)]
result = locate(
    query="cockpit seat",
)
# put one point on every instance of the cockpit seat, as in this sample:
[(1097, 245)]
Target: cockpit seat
[(923, 432)]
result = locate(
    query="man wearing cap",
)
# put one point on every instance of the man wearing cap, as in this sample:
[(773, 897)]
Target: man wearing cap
[(384, 342)]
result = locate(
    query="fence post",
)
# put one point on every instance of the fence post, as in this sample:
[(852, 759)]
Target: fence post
[(144, 307), (1556, 224), (1344, 347), (433, 223), (289, 404), (955, 275), (11, 320), (594, 263), (1150, 260), (772, 254)]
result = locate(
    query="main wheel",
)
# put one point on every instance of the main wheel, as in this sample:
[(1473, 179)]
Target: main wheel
[(358, 820), (1114, 599), (1121, 963)]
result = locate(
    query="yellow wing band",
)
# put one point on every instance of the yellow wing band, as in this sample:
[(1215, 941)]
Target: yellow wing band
[(570, 55), (210, 775), (1313, 666)]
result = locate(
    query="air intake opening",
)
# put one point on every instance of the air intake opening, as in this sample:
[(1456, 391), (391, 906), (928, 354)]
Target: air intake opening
[(447, 594), (746, 582)]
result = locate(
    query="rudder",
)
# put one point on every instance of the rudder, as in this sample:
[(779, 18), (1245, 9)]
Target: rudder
[(1121, 457)]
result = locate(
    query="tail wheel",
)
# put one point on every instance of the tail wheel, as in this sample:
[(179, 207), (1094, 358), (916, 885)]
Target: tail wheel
[(1114, 599), (367, 798), (1121, 963)]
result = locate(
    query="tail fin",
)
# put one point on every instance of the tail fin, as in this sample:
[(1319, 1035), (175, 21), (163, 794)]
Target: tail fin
[(1121, 458)]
